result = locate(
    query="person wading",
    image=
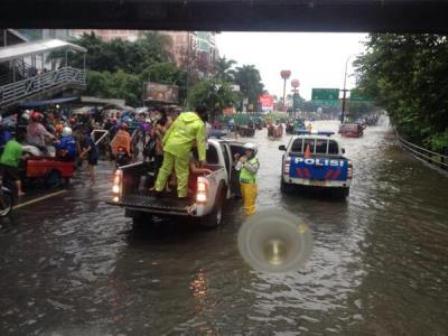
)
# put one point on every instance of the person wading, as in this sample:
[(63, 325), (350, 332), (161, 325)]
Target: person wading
[(177, 144)]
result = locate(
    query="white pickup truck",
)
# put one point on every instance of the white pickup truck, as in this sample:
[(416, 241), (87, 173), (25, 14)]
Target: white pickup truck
[(132, 182)]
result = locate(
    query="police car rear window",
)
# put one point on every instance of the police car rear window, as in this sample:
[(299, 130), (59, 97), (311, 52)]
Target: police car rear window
[(333, 147), (321, 146), (309, 143), (296, 146)]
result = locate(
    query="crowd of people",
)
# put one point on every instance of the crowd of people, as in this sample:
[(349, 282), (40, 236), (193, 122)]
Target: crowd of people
[(174, 142)]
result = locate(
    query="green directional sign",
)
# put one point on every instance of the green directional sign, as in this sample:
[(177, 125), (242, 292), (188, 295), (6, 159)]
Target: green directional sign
[(328, 97), (358, 96), (325, 94)]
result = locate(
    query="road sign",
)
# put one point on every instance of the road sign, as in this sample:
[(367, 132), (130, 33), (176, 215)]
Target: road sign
[(328, 97), (325, 94), (358, 96)]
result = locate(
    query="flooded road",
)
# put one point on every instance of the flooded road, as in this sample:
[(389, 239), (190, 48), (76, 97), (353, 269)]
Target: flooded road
[(72, 265)]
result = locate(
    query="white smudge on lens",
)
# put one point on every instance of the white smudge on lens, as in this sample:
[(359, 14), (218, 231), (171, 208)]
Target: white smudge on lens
[(275, 241)]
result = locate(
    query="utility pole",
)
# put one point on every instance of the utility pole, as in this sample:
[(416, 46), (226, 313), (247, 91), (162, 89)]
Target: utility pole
[(187, 81), (344, 91)]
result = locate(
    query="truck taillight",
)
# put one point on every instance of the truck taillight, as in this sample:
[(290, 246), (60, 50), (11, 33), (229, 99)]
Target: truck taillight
[(116, 185), (350, 169), (201, 195), (286, 165)]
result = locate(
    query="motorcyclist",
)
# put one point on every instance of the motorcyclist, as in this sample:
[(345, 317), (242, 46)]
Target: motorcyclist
[(37, 134), (248, 166), (10, 160), (66, 146)]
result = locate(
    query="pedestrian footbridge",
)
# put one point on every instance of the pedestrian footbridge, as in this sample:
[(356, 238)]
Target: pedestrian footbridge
[(23, 78)]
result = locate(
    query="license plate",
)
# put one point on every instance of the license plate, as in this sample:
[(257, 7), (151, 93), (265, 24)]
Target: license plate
[(318, 183)]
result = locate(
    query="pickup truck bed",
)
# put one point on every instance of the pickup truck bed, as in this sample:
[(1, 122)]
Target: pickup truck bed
[(166, 205)]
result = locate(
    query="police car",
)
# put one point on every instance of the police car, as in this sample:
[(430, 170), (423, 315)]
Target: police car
[(316, 160)]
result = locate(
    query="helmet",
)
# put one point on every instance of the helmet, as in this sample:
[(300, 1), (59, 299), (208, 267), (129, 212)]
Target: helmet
[(250, 146), (36, 116), (67, 131)]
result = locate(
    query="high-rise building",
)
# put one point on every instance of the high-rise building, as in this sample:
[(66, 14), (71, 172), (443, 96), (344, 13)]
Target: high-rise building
[(182, 43)]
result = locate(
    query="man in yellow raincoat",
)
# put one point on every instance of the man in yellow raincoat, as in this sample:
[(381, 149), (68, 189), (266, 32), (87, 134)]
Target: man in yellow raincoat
[(189, 128), (248, 166)]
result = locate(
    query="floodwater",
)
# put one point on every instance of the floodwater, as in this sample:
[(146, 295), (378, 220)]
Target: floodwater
[(72, 265)]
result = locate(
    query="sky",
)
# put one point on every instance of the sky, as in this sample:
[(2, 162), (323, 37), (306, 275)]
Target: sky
[(317, 60)]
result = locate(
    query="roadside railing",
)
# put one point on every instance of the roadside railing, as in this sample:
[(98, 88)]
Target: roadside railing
[(434, 159), (17, 91)]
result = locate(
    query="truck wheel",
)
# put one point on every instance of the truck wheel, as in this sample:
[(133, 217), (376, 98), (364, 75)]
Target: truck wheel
[(53, 179), (214, 218), (342, 192), (285, 187)]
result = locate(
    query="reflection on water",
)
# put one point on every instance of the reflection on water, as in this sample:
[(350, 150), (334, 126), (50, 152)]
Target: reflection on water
[(73, 265)]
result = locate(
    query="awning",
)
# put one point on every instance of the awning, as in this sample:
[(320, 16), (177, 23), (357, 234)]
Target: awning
[(37, 103), (38, 47)]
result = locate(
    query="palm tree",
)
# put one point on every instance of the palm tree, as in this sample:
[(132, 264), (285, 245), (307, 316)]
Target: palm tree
[(223, 69), (249, 79)]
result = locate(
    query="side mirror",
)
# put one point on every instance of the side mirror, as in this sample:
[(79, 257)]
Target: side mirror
[(343, 150), (282, 148)]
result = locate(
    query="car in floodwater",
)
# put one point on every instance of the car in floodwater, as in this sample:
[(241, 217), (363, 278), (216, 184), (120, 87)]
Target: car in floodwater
[(351, 130), (317, 161)]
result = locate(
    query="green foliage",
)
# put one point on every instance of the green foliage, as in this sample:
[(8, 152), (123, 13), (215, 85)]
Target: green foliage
[(215, 94), (407, 74), (112, 85), (249, 79), (224, 71)]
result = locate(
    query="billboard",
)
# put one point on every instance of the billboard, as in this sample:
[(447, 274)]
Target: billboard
[(267, 102), (162, 93)]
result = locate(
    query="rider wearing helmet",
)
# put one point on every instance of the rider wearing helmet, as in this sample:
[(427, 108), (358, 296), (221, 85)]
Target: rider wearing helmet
[(37, 134), (248, 166), (122, 139), (66, 146)]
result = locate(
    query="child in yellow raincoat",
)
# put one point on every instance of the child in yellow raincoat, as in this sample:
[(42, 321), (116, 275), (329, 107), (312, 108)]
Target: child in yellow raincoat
[(248, 166)]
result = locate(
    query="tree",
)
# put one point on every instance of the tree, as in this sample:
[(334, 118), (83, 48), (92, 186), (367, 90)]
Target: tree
[(214, 94), (407, 74), (223, 69), (249, 79)]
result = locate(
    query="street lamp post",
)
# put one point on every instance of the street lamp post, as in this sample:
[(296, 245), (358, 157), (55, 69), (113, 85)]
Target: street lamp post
[(344, 90)]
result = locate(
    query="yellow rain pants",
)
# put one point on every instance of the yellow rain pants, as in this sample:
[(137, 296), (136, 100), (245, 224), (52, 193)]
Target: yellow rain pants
[(249, 194), (181, 168)]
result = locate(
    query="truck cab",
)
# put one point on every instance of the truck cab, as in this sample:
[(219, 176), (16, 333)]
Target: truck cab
[(317, 161), (205, 201)]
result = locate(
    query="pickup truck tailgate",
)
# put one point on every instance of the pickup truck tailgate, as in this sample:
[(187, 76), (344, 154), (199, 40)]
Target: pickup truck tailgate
[(153, 204), (321, 169)]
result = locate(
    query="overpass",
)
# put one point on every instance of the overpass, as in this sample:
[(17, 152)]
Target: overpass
[(21, 78)]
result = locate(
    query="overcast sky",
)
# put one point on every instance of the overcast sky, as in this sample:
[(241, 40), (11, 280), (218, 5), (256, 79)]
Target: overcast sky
[(317, 60)]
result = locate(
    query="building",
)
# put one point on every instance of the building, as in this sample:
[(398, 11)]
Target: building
[(206, 43), (182, 41)]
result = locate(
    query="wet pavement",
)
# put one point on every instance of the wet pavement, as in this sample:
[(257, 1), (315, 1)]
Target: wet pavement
[(72, 265)]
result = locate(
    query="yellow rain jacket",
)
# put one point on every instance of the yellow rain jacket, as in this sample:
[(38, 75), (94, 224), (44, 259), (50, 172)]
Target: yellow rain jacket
[(179, 138), (177, 144)]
